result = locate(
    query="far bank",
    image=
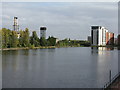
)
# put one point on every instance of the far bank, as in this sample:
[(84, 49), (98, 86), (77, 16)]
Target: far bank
[(50, 47)]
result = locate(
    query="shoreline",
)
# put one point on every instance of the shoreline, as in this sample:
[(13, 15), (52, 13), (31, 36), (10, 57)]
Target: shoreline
[(26, 48), (50, 47)]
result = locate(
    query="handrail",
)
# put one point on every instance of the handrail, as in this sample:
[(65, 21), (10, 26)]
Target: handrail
[(112, 80)]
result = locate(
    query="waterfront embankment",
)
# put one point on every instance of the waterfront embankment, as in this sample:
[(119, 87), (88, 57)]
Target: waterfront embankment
[(48, 47), (23, 48), (114, 84)]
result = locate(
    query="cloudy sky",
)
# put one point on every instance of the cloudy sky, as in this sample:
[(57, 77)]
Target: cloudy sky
[(62, 19)]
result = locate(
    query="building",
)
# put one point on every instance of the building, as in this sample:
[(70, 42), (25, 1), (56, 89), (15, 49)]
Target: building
[(115, 41), (98, 35), (15, 25), (89, 39), (109, 38), (101, 36), (119, 39), (43, 32), (57, 40)]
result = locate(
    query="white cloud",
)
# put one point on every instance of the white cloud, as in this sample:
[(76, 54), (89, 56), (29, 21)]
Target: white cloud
[(62, 19)]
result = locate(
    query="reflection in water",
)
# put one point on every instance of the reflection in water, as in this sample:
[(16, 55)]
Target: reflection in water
[(100, 50), (8, 52), (13, 55), (58, 68), (105, 55), (118, 48)]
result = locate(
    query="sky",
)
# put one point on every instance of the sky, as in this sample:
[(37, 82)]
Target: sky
[(62, 19)]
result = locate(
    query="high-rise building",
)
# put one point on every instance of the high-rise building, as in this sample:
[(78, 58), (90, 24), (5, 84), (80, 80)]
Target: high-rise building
[(15, 25), (98, 35), (101, 36), (43, 32)]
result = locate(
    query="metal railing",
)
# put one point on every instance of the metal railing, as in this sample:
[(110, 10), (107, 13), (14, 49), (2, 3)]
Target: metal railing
[(107, 85)]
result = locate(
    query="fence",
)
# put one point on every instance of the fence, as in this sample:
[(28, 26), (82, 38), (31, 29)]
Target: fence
[(108, 85)]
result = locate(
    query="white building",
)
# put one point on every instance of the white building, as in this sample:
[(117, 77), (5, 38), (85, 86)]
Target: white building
[(98, 35), (43, 32)]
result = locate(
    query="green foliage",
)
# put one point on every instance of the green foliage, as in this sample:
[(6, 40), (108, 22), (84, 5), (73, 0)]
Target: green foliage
[(34, 40), (5, 37), (43, 41), (0, 38), (31, 46), (13, 39), (10, 39), (72, 43), (51, 41), (24, 38)]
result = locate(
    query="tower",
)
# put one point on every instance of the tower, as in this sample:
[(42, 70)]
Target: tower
[(43, 32), (16, 26)]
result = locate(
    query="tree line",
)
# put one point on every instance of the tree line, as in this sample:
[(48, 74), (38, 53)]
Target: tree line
[(13, 39), (10, 40)]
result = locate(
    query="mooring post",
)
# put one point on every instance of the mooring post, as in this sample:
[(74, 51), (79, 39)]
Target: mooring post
[(110, 79), (110, 76)]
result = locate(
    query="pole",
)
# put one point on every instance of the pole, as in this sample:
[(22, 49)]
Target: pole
[(110, 78)]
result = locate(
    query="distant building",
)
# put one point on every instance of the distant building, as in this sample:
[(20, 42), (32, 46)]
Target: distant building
[(119, 39), (109, 38), (16, 26), (89, 39), (115, 41), (43, 32), (101, 36), (57, 40)]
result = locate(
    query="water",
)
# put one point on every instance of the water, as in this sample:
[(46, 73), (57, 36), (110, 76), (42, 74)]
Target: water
[(78, 67)]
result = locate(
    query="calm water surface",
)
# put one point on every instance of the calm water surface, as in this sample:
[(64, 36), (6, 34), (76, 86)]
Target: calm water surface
[(78, 67)]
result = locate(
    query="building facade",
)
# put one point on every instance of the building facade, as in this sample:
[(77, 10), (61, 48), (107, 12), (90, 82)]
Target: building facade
[(89, 39), (110, 38), (119, 39), (101, 36), (98, 35), (43, 32)]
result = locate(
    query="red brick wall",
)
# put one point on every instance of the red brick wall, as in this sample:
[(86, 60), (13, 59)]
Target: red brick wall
[(107, 38), (111, 38)]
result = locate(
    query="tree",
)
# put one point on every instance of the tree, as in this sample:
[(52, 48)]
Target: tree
[(21, 39), (34, 40), (5, 37), (26, 37), (14, 39), (51, 41), (43, 41), (0, 38)]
